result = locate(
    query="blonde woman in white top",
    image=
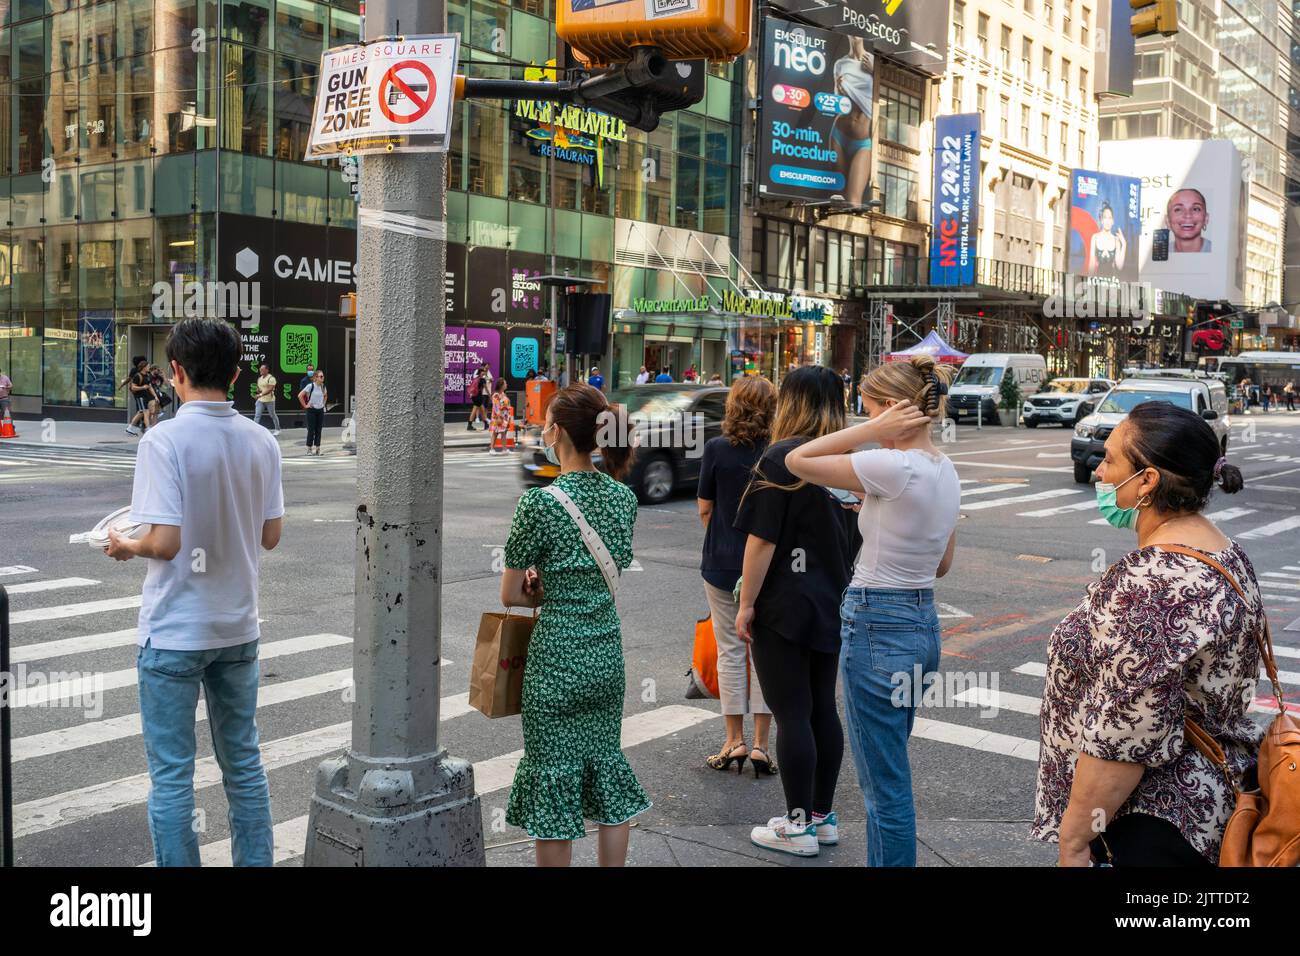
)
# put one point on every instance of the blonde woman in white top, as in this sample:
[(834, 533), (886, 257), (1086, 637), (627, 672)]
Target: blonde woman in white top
[(890, 637)]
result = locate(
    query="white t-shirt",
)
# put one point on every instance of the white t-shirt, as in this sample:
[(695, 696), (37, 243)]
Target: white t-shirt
[(908, 516), (315, 395), (642, 378), (216, 475)]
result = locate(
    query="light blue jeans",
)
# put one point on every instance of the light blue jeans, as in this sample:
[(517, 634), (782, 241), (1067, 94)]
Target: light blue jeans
[(169, 694), (884, 636)]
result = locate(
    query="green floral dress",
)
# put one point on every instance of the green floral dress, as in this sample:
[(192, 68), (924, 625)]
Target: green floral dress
[(573, 768)]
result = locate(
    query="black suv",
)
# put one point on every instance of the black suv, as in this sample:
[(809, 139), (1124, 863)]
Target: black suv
[(672, 421)]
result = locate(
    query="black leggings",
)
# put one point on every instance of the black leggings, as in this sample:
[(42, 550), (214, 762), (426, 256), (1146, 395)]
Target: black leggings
[(1139, 839), (799, 687), (315, 421)]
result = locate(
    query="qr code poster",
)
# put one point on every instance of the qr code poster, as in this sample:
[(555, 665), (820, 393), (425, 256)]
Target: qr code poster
[(299, 347), (657, 9)]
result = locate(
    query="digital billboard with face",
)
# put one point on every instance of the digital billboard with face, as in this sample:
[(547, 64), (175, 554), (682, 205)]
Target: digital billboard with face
[(817, 109), (1105, 222), (1193, 226)]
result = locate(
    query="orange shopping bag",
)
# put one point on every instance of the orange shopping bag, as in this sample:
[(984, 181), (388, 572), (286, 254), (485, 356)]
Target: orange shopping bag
[(703, 674)]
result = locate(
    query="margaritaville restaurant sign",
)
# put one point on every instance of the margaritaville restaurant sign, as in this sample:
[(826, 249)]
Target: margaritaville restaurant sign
[(569, 133), (797, 307)]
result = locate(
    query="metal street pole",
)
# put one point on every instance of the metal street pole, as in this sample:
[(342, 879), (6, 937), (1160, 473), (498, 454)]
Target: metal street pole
[(396, 798)]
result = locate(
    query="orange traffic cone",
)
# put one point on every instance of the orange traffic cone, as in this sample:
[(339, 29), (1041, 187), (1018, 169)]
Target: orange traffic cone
[(510, 436), (7, 426)]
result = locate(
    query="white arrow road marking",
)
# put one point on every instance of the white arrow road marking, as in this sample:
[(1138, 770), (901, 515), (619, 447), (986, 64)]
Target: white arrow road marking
[(1016, 499)]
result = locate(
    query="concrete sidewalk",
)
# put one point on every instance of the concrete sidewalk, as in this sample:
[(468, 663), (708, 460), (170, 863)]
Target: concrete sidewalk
[(939, 843), (112, 436)]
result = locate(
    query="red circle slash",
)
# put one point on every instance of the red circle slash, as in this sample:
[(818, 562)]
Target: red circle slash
[(421, 103)]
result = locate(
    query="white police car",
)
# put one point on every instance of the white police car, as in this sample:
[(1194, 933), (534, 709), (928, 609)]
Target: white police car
[(1063, 401)]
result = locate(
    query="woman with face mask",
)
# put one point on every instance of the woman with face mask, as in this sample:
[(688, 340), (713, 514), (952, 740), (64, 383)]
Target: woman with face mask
[(573, 768), (1161, 638)]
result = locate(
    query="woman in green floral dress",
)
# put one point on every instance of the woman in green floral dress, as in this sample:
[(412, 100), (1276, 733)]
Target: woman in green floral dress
[(573, 768)]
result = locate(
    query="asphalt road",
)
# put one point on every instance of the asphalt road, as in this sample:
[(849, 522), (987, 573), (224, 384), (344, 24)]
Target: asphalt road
[(1028, 545)]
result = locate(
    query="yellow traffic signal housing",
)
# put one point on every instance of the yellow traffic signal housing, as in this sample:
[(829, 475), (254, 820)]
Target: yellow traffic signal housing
[(604, 32), (1150, 18), (348, 305)]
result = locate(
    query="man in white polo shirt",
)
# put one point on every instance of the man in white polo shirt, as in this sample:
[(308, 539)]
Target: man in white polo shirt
[(207, 482)]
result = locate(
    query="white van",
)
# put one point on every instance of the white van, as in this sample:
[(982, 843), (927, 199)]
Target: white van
[(976, 393)]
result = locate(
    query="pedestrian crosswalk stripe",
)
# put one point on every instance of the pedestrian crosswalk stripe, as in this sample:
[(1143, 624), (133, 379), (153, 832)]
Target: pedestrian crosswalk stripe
[(60, 611), (127, 726), (1227, 514), (1268, 530), (1060, 510), (14, 569), (76, 806), (50, 584), (990, 489), (1016, 499), (1267, 583), (73, 645), (985, 740), (490, 776), (84, 686), (1031, 669)]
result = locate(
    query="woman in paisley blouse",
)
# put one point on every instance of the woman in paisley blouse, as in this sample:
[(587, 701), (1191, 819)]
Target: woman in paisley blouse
[(1160, 638)]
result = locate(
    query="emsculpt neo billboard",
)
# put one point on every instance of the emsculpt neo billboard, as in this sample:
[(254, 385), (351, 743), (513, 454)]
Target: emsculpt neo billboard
[(913, 32), (956, 214), (817, 107), (1105, 225)]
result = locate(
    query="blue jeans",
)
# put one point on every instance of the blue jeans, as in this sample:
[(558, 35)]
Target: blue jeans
[(169, 694), (884, 636)]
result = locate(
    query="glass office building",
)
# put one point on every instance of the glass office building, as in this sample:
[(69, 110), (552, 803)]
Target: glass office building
[(149, 145)]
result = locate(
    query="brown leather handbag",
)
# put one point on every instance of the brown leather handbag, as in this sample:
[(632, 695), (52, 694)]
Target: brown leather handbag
[(1264, 829)]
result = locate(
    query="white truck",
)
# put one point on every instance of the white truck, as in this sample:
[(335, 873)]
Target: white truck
[(976, 392)]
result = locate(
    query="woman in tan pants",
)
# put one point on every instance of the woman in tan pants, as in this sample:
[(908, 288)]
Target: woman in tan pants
[(724, 474)]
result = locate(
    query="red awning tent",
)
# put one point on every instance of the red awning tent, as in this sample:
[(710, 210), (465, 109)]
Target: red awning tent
[(932, 345)]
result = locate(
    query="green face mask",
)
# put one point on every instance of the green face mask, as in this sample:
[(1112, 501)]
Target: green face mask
[(1115, 515)]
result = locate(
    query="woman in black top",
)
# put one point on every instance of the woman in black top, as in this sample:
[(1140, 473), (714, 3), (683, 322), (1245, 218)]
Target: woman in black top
[(724, 474), (798, 561)]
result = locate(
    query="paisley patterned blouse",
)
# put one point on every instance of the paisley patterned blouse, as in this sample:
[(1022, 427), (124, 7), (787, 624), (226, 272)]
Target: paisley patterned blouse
[(1161, 636)]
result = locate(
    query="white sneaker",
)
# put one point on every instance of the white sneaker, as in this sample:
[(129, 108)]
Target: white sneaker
[(785, 836), (132, 430), (828, 831)]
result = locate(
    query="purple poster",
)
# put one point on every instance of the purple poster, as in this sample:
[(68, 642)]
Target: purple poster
[(465, 349)]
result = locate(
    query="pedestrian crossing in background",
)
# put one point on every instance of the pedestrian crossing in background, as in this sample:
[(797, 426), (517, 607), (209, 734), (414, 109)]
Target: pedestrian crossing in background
[(313, 711), (31, 464)]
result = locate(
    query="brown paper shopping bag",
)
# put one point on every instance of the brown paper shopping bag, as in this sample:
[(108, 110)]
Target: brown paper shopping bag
[(496, 679)]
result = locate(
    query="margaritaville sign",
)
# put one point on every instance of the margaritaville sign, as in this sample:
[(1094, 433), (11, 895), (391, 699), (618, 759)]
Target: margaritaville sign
[(568, 133), (799, 308)]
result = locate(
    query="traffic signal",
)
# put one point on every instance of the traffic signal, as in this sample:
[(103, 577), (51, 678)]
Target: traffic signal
[(1154, 16)]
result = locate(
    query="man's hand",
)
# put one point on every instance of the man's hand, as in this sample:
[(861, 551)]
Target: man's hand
[(120, 548)]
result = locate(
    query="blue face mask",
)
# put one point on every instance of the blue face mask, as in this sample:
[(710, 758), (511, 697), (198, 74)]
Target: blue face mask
[(1116, 516), (552, 455)]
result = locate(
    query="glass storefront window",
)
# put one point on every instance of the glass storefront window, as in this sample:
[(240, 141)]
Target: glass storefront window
[(61, 203), (717, 199), (532, 39), (247, 185), (28, 268), (301, 192), (135, 22), (59, 359), (345, 27), (98, 199), (690, 134), (300, 28), (175, 249), (174, 185), (29, 45), (489, 27), (135, 262), (247, 21), (134, 185), (717, 142), (61, 259), (342, 207), (97, 32), (177, 117), (527, 166), (295, 95), (135, 106), (687, 183), (656, 180), (540, 8), (246, 103), (487, 150), (97, 264), (29, 139)]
